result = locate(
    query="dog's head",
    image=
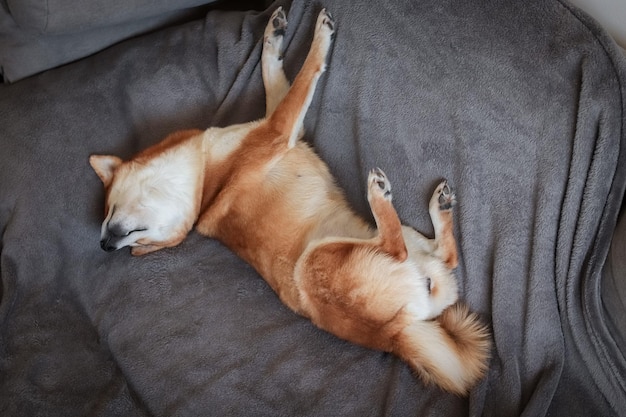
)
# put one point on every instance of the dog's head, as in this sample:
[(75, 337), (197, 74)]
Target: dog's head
[(148, 205)]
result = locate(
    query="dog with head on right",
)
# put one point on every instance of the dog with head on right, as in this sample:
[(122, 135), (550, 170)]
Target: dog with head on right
[(268, 197)]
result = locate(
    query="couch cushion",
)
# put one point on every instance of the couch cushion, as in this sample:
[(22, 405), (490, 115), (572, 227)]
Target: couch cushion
[(67, 16), (38, 35)]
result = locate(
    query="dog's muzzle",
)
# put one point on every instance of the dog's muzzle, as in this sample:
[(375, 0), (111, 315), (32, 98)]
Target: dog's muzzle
[(111, 239), (107, 244)]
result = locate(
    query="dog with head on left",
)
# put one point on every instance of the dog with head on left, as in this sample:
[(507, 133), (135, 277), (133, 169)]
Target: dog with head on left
[(267, 196)]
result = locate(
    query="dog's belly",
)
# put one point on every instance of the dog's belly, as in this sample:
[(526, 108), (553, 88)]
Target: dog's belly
[(274, 216)]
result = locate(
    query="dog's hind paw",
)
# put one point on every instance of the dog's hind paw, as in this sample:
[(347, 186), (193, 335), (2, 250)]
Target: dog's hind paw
[(326, 19), (379, 185), (274, 32), (446, 198), (325, 23), (279, 22)]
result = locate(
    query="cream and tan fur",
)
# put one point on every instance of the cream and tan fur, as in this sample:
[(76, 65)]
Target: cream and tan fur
[(269, 198)]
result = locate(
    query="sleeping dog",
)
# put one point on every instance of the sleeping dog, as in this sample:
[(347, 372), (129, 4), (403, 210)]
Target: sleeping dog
[(267, 196)]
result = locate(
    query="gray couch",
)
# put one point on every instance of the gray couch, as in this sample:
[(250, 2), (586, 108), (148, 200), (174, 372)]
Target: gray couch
[(520, 105), (36, 35)]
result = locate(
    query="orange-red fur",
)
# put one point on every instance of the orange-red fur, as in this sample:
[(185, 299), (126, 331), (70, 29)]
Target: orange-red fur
[(271, 200)]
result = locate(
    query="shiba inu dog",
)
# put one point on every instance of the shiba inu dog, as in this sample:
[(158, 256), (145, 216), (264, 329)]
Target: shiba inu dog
[(268, 197)]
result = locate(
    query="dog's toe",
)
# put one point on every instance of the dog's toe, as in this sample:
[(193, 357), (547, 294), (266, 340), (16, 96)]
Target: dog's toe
[(328, 20)]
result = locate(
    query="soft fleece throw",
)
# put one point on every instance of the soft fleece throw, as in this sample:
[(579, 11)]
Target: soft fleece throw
[(519, 104)]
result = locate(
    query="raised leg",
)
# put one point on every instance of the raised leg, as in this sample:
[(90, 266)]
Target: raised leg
[(274, 79), (288, 117), (279, 132), (440, 209), (387, 221)]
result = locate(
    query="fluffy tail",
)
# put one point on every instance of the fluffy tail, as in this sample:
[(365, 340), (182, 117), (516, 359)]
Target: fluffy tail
[(451, 351)]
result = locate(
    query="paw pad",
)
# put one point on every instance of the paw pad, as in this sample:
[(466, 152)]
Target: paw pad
[(325, 20), (446, 198), (279, 22), (378, 179), (328, 20)]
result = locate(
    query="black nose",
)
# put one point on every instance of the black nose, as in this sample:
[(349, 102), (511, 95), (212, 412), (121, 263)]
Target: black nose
[(106, 245)]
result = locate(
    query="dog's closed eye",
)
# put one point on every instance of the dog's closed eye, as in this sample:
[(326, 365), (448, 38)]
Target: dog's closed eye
[(116, 231)]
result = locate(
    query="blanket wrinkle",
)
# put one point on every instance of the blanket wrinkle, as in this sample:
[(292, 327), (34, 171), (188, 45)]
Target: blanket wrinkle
[(518, 105)]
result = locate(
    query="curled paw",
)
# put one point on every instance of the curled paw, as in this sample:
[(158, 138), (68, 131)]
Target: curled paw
[(328, 20), (279, 22), (274, 32), (445, 196), (325, 22), (379, 184)]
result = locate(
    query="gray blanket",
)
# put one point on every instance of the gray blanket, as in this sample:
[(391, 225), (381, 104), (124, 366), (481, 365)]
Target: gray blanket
[(518, 104)]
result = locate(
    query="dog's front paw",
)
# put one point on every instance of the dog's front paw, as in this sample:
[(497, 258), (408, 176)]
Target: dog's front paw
[(445, 196), (379, 185), (144, 249)]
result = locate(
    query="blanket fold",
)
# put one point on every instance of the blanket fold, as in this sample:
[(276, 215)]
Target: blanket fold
[(518, 105)]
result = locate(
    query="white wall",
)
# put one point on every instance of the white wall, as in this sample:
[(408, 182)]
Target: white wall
[(610, 13)]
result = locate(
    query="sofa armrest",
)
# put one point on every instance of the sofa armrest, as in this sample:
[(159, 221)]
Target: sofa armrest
[(614, 284)]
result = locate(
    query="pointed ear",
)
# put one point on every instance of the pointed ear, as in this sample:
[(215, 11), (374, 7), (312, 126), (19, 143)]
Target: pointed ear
[(105, 166)]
